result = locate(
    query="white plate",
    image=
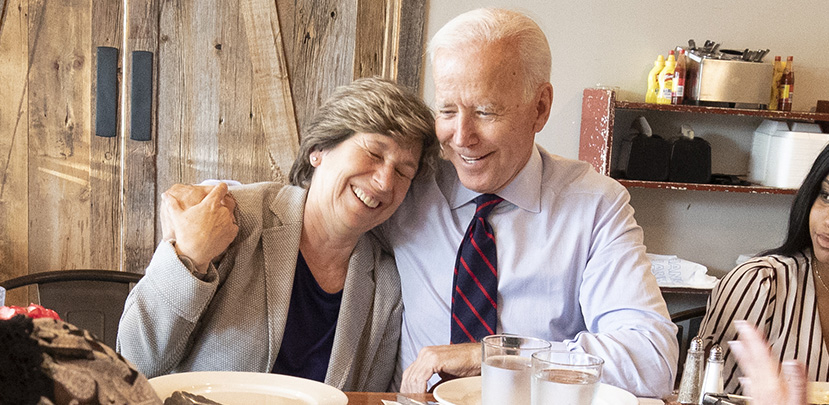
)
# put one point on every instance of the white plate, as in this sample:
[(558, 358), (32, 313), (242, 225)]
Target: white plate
[(241, 388), (460, 391), (467, 391)]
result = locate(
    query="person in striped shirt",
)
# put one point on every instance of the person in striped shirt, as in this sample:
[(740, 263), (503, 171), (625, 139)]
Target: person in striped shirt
[(784, 292)]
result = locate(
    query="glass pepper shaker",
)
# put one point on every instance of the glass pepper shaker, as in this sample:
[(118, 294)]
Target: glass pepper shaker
[(690, 385)]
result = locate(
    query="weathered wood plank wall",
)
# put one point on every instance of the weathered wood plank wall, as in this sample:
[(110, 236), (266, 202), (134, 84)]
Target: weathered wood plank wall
[(272, 90), (411, 37), (318, 38), (140, 171), (105, 153), (59, 142), (14, 142), (375, 20)]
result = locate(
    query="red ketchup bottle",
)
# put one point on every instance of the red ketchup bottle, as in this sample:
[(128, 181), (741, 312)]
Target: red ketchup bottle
[(678, 85)]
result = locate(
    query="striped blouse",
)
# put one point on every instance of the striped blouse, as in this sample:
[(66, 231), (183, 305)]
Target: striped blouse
[(777, 295)]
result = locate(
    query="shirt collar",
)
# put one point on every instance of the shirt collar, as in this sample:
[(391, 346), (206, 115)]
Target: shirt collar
[(524, 191)]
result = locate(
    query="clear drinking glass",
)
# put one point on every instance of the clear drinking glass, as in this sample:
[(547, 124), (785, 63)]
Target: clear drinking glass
[(506, 367), (565, 378)]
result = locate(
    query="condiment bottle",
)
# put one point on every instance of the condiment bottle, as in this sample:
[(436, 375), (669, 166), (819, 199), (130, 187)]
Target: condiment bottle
[(666, 77), (678, 85), (713, 382), (790, 64), (775, 83), (690, 385), (784, 103), (653, 80)]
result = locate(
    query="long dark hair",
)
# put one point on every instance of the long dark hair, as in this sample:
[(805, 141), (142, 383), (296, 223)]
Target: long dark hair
[(798, 236)]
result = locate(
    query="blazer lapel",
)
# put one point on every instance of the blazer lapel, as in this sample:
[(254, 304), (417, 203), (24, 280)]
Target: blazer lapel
[(280, 246), (358, 296)]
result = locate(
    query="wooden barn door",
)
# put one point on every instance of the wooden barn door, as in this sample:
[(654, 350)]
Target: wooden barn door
[(232, 84), (59, 184)]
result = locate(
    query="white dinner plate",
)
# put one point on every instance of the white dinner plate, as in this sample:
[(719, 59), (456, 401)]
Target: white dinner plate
[(241, 388), (467, 391)]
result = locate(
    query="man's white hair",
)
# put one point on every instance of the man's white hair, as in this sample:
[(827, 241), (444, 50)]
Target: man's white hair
[(485, 26)]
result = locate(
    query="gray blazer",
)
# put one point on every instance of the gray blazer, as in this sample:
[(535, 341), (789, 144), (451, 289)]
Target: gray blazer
[(233, 320)]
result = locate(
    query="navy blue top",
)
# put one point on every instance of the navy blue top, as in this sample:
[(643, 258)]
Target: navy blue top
[(309, 331)]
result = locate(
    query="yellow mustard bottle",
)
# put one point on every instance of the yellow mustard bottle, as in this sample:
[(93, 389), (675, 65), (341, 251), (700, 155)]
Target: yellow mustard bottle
[(653, 80), (666, 77)]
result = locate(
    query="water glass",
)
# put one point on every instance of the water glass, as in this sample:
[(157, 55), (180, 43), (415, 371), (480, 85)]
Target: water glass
[(565, 378), (506, 366)]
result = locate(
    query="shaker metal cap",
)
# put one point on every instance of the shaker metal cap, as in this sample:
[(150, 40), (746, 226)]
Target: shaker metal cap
[(716, 353), (696, 344)]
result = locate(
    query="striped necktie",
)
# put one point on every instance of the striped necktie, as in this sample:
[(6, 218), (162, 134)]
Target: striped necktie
[(475, 284)]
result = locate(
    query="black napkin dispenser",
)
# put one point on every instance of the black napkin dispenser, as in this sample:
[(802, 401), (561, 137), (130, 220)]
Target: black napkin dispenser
[(646, 157), (690, 160)]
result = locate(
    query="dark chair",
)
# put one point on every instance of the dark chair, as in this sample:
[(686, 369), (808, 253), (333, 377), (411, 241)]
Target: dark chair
[(89, 299), (688, 322)]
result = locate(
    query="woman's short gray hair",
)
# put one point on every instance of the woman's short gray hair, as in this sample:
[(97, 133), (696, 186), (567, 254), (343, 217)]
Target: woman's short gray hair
[(369, 105), (485, 26)]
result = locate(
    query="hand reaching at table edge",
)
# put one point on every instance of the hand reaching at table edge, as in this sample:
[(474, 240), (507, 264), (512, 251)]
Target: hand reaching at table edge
[(448, 361)]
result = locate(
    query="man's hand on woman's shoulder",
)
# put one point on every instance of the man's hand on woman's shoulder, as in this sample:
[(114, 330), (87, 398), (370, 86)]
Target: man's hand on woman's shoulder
[(201, 220)]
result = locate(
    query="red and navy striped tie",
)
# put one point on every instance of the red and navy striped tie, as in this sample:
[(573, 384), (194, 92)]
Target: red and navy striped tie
[(475, 284)]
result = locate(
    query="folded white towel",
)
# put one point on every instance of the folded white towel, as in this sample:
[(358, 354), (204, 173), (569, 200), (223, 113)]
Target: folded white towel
[(671, 271)]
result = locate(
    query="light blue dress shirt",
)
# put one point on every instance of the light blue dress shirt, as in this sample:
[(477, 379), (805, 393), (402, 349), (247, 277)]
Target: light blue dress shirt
[(571, 263)]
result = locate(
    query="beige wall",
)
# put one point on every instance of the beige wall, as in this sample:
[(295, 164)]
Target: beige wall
[(614, 43)]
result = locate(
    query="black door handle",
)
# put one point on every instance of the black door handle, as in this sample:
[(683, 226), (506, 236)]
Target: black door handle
[(141, 98), (106, 93)]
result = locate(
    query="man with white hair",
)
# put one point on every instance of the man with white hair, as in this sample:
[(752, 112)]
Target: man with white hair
[(570, 264)]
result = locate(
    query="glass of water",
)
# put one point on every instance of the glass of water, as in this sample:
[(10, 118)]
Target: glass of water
[(506, 367), (565, 378)]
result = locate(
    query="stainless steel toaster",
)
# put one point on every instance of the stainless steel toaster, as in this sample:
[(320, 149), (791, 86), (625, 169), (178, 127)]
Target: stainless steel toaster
[(712, 81)]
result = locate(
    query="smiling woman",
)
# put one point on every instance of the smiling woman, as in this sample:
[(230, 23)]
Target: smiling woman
[(359, 183), (367, 106), (321, 298)]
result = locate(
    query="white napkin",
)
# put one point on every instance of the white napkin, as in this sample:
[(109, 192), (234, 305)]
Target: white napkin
[(671, 271)]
